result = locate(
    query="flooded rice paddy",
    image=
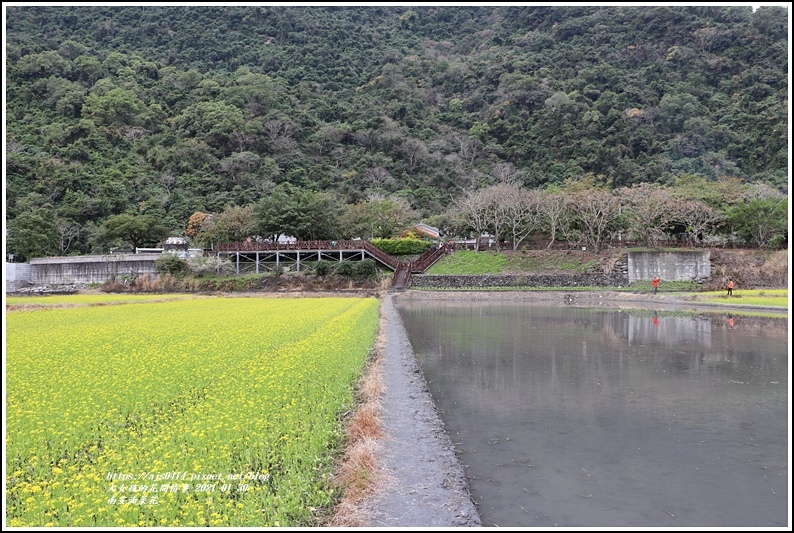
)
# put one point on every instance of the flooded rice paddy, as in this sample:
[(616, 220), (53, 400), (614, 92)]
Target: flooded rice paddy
[(589, 417)]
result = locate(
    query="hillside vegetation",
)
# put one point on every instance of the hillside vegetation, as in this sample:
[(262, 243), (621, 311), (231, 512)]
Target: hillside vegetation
[(169, 111), (748, 268)]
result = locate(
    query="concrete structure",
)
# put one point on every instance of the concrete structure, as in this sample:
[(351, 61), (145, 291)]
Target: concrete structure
[(685, 265), (430, 231), (175, 244), (90, 268), (17, 276)]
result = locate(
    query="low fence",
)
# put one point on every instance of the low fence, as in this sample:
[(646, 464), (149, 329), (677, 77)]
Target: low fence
[(564, 245), (255, 246)]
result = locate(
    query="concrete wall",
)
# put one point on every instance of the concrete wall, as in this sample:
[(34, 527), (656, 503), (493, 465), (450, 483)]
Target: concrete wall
[(90, 268), (683, 265), (17, 276)]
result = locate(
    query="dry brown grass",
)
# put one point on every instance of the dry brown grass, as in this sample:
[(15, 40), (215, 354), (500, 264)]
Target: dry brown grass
[(776, 265), (360, 473), (748, 268), (364, 424), (34, 307), (358, 476)]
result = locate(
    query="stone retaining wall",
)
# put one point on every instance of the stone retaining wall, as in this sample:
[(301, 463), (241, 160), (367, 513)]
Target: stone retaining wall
[(523, 280)]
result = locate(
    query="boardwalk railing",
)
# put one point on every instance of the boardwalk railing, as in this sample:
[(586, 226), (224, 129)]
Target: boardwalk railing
[(297, 245), (376, 252), (426, 260)]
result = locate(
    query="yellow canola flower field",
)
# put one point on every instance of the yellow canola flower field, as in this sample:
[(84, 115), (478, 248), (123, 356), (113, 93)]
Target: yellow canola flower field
[(202, 412)]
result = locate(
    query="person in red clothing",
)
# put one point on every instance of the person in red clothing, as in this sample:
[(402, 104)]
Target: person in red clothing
[(655, 282), (730, 287)]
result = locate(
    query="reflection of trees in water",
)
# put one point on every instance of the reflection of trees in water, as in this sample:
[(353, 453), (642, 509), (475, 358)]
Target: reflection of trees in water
[(523, 357), (565, 391), (670, 331), (613, 327)]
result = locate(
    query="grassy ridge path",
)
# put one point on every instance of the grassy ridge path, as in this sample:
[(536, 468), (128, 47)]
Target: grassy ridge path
[(600, 298)]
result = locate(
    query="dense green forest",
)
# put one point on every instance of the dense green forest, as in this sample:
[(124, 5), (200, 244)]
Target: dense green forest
[(164, 112)]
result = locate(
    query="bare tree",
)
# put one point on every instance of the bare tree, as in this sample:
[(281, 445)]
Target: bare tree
[(496, 199), (280, 135), (521, 209), (68, 232), (552, 209), (698, 218), (504, 209), (473, 207), (168, 181), (762, 191), (368, 138), (276, 129), (596, 211), (470, 148), (134, 133), (338, 155), (648, 211), (507, 173), (414, 151), (285, 145), (240, 140), (378, 177), (262, 185)]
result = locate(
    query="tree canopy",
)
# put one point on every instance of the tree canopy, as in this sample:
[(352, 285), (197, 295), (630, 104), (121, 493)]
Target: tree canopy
[(298, 212), (135, 230), (168, 111)]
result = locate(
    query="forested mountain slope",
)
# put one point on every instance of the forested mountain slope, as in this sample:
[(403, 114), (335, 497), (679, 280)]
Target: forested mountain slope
[(166, 111)]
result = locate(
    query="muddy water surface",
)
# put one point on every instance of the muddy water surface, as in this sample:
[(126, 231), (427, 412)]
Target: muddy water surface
[(578, 417)]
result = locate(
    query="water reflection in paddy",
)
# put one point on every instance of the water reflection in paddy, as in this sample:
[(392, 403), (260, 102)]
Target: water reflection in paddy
[(583, 417)]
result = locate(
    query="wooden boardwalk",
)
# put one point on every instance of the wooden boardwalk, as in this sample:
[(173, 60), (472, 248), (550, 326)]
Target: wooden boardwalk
[(257, 257)]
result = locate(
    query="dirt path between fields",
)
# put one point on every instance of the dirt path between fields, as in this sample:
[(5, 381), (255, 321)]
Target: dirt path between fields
[(425, 485)]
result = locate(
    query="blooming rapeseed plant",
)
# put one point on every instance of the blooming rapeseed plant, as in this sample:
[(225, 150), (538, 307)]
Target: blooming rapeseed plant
[(166, 413)]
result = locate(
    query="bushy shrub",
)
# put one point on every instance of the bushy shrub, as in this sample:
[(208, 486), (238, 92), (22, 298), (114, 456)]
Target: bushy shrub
[(777, 242), (344, 269), (323, 268), (203, 265), (170, 264), (366, 269), (402, 246)]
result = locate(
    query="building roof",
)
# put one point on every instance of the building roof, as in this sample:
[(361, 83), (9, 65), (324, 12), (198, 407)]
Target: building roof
[(428, 230)]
